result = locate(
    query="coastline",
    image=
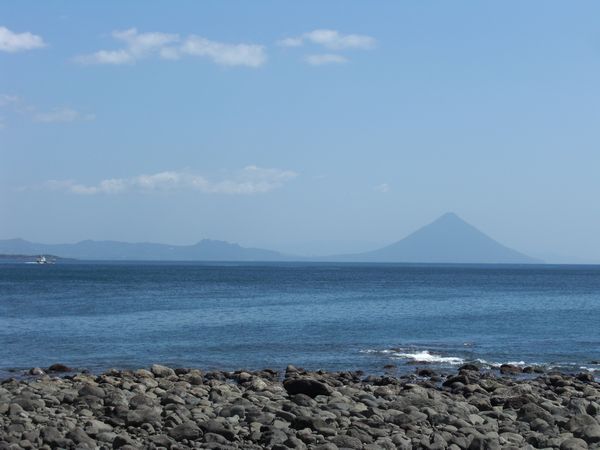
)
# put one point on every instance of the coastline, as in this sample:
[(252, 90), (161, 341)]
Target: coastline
[(188, 408)]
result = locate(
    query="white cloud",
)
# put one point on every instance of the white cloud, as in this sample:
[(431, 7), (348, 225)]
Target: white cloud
[(15, 105), (383, 188), (6, 99), (171, 47), (61, 115), (331, 39), (142, 43), (291, 42), (249, 180), (325, 58), (12, 42), (250, 55), (106, 57), (137, 46)]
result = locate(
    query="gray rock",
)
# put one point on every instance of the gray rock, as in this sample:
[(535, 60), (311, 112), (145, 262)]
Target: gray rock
[(140, 400), (187, 430), (510, 369), (306, 386), (586, 377), (122, 440), (531, 411), (217, 427), (161, 440), (81, 438), (28, 403), (235, 410), (54, 368), (172, 399), (53, 437), (590, 434), (94, 391), (294, 442), (327, 446), (94, 427), (481, 442), (577, 423), (272, 436), (106, 436), (573, 444), (254, 410), (162, 371), (215, 439), (144, 414), (346, 442)]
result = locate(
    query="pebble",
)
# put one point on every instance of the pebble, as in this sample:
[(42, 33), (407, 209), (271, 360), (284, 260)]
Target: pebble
[(185, 408)]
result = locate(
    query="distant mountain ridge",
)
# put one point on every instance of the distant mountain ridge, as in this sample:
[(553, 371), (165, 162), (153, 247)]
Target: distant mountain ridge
[(205, 250), (449, 239)]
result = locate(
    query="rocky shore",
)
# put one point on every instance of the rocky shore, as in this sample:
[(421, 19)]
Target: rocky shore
[(186, 408)]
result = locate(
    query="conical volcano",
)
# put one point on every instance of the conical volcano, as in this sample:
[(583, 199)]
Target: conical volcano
[(449, 239)]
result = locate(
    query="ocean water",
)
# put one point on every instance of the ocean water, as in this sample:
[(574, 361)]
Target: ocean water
[(329, 316)]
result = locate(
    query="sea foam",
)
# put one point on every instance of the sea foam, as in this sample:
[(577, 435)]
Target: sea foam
[(422, 356)]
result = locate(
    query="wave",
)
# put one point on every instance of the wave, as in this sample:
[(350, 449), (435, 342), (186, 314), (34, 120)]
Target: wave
[(427, 357), (412, 355), (422, 356)]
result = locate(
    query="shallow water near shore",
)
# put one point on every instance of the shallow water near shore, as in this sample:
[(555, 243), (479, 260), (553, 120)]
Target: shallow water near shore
[(329, 316)]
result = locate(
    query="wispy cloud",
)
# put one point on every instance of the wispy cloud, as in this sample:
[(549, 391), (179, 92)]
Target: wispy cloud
[(166, 46), (63, 114), (331, 39), (325, 58), (251, 55), (15, 105), (12, 42), (250, 180), (7, 99), (383, 188)]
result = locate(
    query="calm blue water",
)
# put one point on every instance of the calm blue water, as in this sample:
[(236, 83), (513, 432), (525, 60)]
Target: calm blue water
[(334, 317)]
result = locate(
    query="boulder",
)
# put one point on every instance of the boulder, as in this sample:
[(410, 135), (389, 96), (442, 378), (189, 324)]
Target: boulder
[(510, 369), (187, 430), (36, 371), (92, 390), (162, 371), (586, 377), (54, 368), (123, 440), (142, 415), (307, 386), (573, 444)]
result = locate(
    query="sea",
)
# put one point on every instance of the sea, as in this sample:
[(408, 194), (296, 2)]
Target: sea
[(378, 318)]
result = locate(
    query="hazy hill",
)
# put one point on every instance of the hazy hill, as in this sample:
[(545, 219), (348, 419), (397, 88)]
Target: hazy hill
[(205, 250), (449, 239)]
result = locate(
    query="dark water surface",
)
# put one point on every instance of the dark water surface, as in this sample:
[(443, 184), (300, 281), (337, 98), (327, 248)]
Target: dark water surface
[(330, 316)]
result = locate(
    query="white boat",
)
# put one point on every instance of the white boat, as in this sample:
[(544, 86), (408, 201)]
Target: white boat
[(42, 260)]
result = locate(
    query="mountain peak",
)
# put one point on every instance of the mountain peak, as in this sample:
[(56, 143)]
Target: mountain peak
[(449, 217), (448, 239)]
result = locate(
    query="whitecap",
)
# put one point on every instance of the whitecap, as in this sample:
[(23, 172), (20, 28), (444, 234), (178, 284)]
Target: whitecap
[(427, 357), (383, 352)]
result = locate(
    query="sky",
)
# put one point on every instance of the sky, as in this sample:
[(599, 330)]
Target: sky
[(307, 127)]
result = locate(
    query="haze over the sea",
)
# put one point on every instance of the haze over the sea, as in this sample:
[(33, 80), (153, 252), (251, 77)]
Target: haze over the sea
[(310, 128)]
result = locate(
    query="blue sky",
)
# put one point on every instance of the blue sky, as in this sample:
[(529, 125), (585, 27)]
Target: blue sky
[(308, 127)]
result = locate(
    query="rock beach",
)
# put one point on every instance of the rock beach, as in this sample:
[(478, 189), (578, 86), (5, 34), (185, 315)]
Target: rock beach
[(166, 408)]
